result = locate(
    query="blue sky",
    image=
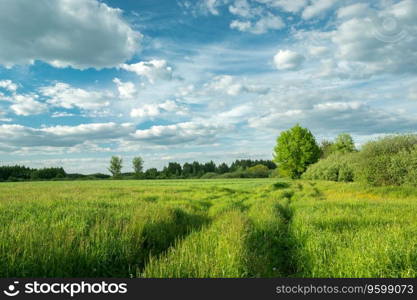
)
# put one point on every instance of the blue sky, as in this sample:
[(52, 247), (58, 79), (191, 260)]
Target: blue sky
[(83, 80)]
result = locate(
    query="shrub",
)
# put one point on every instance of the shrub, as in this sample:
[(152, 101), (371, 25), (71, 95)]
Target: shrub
[(336, 167), (258, 171), (210, 175), (389, 161)]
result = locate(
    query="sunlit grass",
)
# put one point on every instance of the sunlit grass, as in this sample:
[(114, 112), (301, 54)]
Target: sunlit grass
[(207, 228)]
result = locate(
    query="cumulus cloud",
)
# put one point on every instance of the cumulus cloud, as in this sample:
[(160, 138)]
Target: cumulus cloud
[(288, 60), (197, 132), (26, 105), (77, 33), (62, 136), (152, 70), (64, 95), (8, 85), (241, 8), (127, 90), (318, 50), (335, 117), (261, 26), (317, 8), (367, 41), (354, 10), (233, 87), (154, 110)]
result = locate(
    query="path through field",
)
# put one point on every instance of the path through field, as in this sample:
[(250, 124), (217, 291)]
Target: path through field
[(207, 228)]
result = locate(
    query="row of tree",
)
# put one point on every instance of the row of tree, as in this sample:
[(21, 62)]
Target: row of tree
[(187, 170), (174, 170), (16, 173)]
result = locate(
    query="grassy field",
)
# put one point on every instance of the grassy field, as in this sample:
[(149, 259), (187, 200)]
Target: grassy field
[(207, 228)]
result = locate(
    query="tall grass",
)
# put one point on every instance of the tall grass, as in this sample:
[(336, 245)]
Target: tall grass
[(207, 228), (217, 251), (348, 233)]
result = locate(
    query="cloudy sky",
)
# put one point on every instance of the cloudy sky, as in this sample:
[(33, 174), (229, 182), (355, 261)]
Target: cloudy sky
[(81, 80)]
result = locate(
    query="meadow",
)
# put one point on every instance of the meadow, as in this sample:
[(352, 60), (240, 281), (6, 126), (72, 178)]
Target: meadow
[(207, 228)]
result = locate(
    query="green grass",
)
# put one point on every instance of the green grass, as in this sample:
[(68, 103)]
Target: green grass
[(207, 228)]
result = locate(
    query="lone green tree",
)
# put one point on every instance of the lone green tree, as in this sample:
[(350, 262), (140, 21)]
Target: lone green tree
[(344, 144), (116, 166), (137, 163), (296, 149)]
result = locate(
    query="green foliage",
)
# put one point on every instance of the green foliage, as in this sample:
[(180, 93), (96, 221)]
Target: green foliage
[(15, 172), (116, 166), (223, 168), (137, 163), (336, 167), (344, 144), (48, 173), (210, 175), (258, 171), (389, 161), (326, 148), (296, 149)]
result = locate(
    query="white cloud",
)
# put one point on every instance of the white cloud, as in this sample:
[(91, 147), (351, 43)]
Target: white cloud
[(261, 26), (148, 110), (354, 10), (318, 50), (154, 110), (338, 106), (64, 95), (26, 105), (233, 87), (212, 6), (241, 25), (8, 85), (317, 8), (127, 90), (241, 8), (62, 136), (334, 117), (152, 70), (77, 33), (179, 133), (288, 60)]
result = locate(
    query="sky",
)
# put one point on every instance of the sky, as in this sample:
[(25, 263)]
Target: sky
[(82, 80)]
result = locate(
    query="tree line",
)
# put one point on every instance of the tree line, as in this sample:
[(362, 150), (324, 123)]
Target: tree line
[(245, 168)]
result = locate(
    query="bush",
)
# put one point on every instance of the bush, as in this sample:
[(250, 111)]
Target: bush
[(258, 171), (336, 167), (210, 175), (389, 161)]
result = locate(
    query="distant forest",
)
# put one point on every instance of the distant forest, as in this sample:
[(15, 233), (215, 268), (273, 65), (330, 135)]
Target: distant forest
[(246, 168)]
